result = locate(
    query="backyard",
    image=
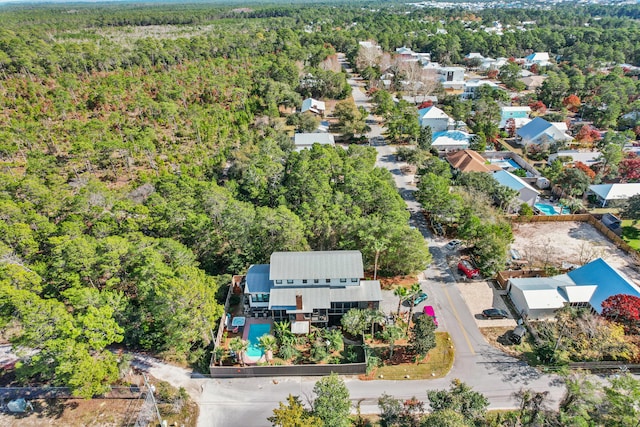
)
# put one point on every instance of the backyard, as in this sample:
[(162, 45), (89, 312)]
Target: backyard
[(631, 233), (550, 244)]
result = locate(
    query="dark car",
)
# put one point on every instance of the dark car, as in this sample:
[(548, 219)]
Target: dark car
[(494, 313), (468, 269), (517, 334), (421, 297)]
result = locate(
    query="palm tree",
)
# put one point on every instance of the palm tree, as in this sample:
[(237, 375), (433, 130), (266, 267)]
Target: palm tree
[(239, 346), (401, 293), (375, 316), (390, 335), (413, 292), (269, 344), (355, 322), (378, 246), (218, 354)]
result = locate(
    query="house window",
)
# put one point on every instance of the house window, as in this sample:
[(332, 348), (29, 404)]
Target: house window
[(354, 280), (259, 297), (328, 280), (304, 280), (278, 282), (289, 282), (316, 280), (343, 280)]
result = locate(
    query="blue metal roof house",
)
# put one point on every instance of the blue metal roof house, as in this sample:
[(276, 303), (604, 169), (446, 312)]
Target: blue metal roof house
[(589, 285), (609, 281), (527, 193), (539, 131)]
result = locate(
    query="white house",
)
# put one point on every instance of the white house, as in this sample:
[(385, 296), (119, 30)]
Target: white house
[(451, 140), (614, 192), (539, 131), (589, 158), (310, 287), (451, 77), (306, 140), (492, 64), (589, 285), (435, 118), (313, 106), (539, 58), (527, 194), (471, 87)]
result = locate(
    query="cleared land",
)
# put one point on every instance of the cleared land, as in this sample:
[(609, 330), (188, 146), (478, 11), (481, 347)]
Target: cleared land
[(552, 243)]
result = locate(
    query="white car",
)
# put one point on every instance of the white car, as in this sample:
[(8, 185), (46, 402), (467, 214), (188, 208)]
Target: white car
[(453, 244)]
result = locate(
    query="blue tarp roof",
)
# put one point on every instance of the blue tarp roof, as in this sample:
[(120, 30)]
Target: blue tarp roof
[(258, 279), (609, 280)]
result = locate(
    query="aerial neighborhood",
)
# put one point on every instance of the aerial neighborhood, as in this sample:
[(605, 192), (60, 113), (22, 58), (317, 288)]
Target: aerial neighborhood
[(420, 214)]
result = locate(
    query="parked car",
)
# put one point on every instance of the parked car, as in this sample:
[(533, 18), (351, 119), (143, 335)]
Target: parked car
[(421, 297), (453, 244), (429, 311), (494, 313), (468, 269)]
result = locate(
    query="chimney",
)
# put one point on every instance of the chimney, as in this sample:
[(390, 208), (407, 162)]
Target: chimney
[(298, 302)]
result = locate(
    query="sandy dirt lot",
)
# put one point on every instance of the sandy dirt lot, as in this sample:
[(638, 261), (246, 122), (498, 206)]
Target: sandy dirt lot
[(552, 243)]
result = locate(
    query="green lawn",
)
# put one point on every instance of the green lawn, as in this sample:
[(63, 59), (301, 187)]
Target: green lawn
[(631, 234), (437, 364)]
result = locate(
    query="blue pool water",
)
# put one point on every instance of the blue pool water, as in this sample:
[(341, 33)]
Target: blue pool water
[(550, 209), (255, 332), (505, 163)]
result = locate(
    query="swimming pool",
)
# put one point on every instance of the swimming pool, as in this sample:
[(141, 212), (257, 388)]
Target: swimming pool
[(550, 209), (256, 330), (505, 163)]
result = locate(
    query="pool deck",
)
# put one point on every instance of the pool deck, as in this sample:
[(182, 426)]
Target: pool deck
[(245, 334)]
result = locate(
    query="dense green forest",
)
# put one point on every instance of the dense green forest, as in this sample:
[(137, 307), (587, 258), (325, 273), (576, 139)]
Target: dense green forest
[(144, 158)]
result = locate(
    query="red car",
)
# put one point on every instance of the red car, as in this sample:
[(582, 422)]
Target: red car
[(468, 269)]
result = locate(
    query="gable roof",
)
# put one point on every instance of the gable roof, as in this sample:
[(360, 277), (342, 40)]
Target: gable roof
[(316, 265), (609, 281), (616, 191), (312, 105), (432, 113), (470, 161), (512, 181), (538, 127)]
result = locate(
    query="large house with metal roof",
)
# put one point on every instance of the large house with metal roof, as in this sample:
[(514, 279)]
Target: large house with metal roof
[(310, 287), (587, 286), (526, 193), (539, 131)]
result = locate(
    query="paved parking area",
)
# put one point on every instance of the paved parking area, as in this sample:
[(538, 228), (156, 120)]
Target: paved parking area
[(480, 295)]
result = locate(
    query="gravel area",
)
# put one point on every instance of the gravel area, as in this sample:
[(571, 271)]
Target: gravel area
[(480, 295), (552, 243)]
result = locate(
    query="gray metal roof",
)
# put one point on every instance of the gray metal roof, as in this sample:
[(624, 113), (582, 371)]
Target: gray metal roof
[(312, 298), (369, 290), (303, 140), (258, 279), (316, 265)]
